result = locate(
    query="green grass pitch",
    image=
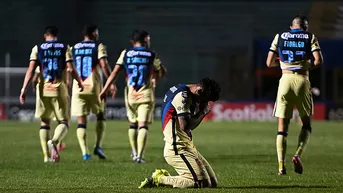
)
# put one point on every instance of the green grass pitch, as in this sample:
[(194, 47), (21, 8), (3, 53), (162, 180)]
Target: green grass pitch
[(242, 154)]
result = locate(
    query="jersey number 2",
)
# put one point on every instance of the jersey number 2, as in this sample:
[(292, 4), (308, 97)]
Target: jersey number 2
[(136, 76), (84, 65)]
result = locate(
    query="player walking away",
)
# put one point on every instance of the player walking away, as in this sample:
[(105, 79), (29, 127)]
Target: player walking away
[(35, 80), (53, 58), (141, 65), (184, 107), (295, 48), (90, 56)]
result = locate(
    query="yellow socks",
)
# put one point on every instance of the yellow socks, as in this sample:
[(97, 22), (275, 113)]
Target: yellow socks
[(303, 139), (281, 146), (82, 138), (60, 132), (44, 137), (133, 133), (100, 131), (141, 141)]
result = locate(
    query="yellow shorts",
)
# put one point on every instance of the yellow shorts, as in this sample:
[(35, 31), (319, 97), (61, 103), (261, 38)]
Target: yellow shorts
[(82, 105), (47, 106), (139, 112), (294, 90), (191, 166)]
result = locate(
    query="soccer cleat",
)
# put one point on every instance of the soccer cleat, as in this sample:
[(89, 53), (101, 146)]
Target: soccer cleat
[(46, 159), (282, 172), (86, 157), (55, 157), (140, 160), (154, 180), (298, 166), (99, 152), (133, 156), (61, 146), (147, 183)]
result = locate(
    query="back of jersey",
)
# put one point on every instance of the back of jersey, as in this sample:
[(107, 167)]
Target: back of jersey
[(85, 55), (138, 63), (295, 49), (52, 56)]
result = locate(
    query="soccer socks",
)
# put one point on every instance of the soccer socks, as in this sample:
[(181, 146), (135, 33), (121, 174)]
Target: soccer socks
[(133, 133), (176, 182), (44, 137), (100, 131), (281, 146), (303, 139), (82, 137), (60, 132), (141, 141)]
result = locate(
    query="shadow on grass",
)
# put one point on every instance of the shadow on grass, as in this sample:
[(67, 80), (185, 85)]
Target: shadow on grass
[(276, 187)]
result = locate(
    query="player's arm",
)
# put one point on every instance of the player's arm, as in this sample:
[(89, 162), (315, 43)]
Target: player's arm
[(316, 52), (35, 78), (272, 54), (29, 73), (187, 121), (114, 75), (106, 69), (71, 68)]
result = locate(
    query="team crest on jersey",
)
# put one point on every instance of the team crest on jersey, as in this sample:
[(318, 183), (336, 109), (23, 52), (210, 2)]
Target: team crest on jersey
[(179, 108)]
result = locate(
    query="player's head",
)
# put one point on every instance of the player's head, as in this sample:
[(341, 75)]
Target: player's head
[(207, 90), (51, 32), (301, 22), (91, 32), (142, 37)]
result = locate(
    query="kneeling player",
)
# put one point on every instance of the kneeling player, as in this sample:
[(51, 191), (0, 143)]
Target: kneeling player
[(184, 107)]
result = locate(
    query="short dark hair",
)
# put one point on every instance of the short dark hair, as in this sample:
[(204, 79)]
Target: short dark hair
[(301, 20), (51, 30), (139, 35), (89, 29), (211, 89)]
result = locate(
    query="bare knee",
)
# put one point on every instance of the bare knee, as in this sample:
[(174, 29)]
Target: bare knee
[(82, 120), (45, 122)]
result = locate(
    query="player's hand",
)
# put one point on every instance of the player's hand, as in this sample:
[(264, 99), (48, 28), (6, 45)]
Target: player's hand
[(113, 91), (153, 81), (206, 108), (80, 86), (102, 96), (22, 97)]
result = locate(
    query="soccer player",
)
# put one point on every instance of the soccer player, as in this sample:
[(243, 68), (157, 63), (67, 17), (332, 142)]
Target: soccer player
[(53, 58), (184, 107), (141, 65), (295, 48), (35, 85), (89, 57)]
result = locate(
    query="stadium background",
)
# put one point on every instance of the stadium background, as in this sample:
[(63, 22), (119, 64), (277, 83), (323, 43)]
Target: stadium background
[(226, 40)]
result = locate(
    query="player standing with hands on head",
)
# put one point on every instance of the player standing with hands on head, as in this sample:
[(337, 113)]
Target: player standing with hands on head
[(90, 56), (141, 66), (53, 58), (295, 48), (184, 107)]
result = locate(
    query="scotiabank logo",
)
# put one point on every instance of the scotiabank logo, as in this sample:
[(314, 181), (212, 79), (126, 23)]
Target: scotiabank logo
[(252, 112)]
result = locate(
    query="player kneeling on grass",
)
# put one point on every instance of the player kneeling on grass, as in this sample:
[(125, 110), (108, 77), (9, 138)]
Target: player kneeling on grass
[(184, 107)]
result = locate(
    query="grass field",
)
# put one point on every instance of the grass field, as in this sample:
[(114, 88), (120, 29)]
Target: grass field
[(242, 154)]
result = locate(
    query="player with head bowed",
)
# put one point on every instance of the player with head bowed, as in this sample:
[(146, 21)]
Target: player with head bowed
[(143, 69), (184, 107), (53, 59), (295, 49)]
